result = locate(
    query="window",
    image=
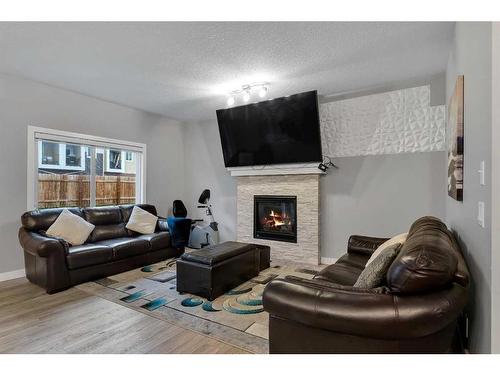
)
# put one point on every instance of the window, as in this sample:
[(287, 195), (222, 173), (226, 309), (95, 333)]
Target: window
[(68, 169), (50, 153), (74, 156), (55, 155), (114, 161)]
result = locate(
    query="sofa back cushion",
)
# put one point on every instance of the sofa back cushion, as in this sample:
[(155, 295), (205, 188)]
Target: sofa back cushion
[(38, 220), (103, 215), (108, 223), (426, 261), (108, 232)]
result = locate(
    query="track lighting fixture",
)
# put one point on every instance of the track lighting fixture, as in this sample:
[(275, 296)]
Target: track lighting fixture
[(263, 91), (246, 92), (246, 96)]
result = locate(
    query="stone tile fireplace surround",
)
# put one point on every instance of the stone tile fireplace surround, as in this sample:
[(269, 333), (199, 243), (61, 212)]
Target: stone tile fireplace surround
[(306, 188)]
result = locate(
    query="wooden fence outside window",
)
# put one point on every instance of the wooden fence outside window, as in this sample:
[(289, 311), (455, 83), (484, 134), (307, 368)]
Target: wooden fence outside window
[(59, 190)]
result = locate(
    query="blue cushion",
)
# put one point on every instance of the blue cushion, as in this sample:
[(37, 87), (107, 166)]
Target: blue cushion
[(180, 229)]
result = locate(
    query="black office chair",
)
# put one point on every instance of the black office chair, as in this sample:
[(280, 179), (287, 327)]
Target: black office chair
[(178, 225), (178, 209)]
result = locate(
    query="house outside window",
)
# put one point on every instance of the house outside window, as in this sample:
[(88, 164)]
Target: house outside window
[(55, 155), (114, 161)]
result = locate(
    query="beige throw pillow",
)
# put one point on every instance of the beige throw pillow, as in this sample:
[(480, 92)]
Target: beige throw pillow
[(141, 221), (374, 275), (71, 228), (400, 238)]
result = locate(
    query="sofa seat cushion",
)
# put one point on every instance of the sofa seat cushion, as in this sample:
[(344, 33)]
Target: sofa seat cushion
[(126, 247), (340, 273), (88, 255), (353, 259), (158, 240)]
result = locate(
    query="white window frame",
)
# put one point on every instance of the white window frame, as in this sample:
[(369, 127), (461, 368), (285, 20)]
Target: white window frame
[(36, 133), (131, 156), (62, 158)]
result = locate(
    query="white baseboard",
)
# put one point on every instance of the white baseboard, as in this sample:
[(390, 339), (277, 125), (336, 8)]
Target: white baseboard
[(325, 260), (12, 275)]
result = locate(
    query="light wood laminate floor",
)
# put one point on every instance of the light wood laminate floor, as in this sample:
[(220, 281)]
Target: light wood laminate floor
[(73, 321)]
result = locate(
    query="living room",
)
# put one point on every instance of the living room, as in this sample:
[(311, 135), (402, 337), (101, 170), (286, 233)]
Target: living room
[(209, 187)]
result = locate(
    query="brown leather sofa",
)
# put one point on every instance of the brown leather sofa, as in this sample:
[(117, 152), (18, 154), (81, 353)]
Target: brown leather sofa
[(415, 312), (110, 249)]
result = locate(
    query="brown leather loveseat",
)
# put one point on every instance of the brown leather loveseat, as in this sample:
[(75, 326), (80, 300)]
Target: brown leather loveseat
[(415, 312), (111, 248)]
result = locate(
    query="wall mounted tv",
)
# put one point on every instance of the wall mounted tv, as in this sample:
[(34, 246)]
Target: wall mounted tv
[(278, 131)]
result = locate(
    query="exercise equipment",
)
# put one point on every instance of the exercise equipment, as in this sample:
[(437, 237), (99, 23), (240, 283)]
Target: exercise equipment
[(205, 234)]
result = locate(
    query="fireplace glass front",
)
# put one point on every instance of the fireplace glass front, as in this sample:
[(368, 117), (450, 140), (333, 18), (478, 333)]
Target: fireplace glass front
[(275, 218)]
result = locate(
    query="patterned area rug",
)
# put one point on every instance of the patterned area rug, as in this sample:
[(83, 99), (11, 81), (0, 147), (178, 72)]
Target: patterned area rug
[(236, 317)]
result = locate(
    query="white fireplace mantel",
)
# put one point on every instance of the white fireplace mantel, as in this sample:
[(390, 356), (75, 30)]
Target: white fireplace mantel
[(282, 169)]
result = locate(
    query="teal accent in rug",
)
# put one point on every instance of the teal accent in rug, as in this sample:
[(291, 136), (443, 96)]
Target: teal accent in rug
[(234, 310), (147, 269), (208, 306), (134, 296), (191, 302), (247, 301), (154, 304), (237, 292)]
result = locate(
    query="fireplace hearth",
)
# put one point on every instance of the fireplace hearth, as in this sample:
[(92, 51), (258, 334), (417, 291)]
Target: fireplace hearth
[(275, 218)]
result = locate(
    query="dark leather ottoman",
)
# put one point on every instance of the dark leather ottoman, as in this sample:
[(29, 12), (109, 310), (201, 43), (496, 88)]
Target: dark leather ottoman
[(214, 270)]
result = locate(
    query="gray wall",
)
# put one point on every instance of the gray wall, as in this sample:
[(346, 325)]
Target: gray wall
[(24, 103), (379, 196), (205, 170), (495, 189), (471, 56)]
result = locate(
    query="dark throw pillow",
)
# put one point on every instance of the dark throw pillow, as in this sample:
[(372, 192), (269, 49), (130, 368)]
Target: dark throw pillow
[(374, 274)]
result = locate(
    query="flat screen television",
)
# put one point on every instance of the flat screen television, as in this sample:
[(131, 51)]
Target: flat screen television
[(278, 131)]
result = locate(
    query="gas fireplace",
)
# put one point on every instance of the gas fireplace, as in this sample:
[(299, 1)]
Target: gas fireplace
[(275, 218)]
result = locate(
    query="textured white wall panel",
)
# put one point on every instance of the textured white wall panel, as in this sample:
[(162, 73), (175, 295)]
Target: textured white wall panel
[(388, 123)]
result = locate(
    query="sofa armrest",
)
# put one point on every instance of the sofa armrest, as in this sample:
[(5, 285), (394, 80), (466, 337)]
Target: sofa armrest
[(40, 245), (363, 244), (362, 312)]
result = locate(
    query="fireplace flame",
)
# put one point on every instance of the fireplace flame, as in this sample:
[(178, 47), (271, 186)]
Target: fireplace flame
[(277, 219)]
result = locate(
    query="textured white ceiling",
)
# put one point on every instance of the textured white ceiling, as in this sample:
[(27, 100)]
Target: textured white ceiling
[(183, 69)]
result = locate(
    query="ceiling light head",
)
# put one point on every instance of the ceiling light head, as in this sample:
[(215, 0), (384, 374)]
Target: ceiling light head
[(246, 96), (263, 92), (230, 101)]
